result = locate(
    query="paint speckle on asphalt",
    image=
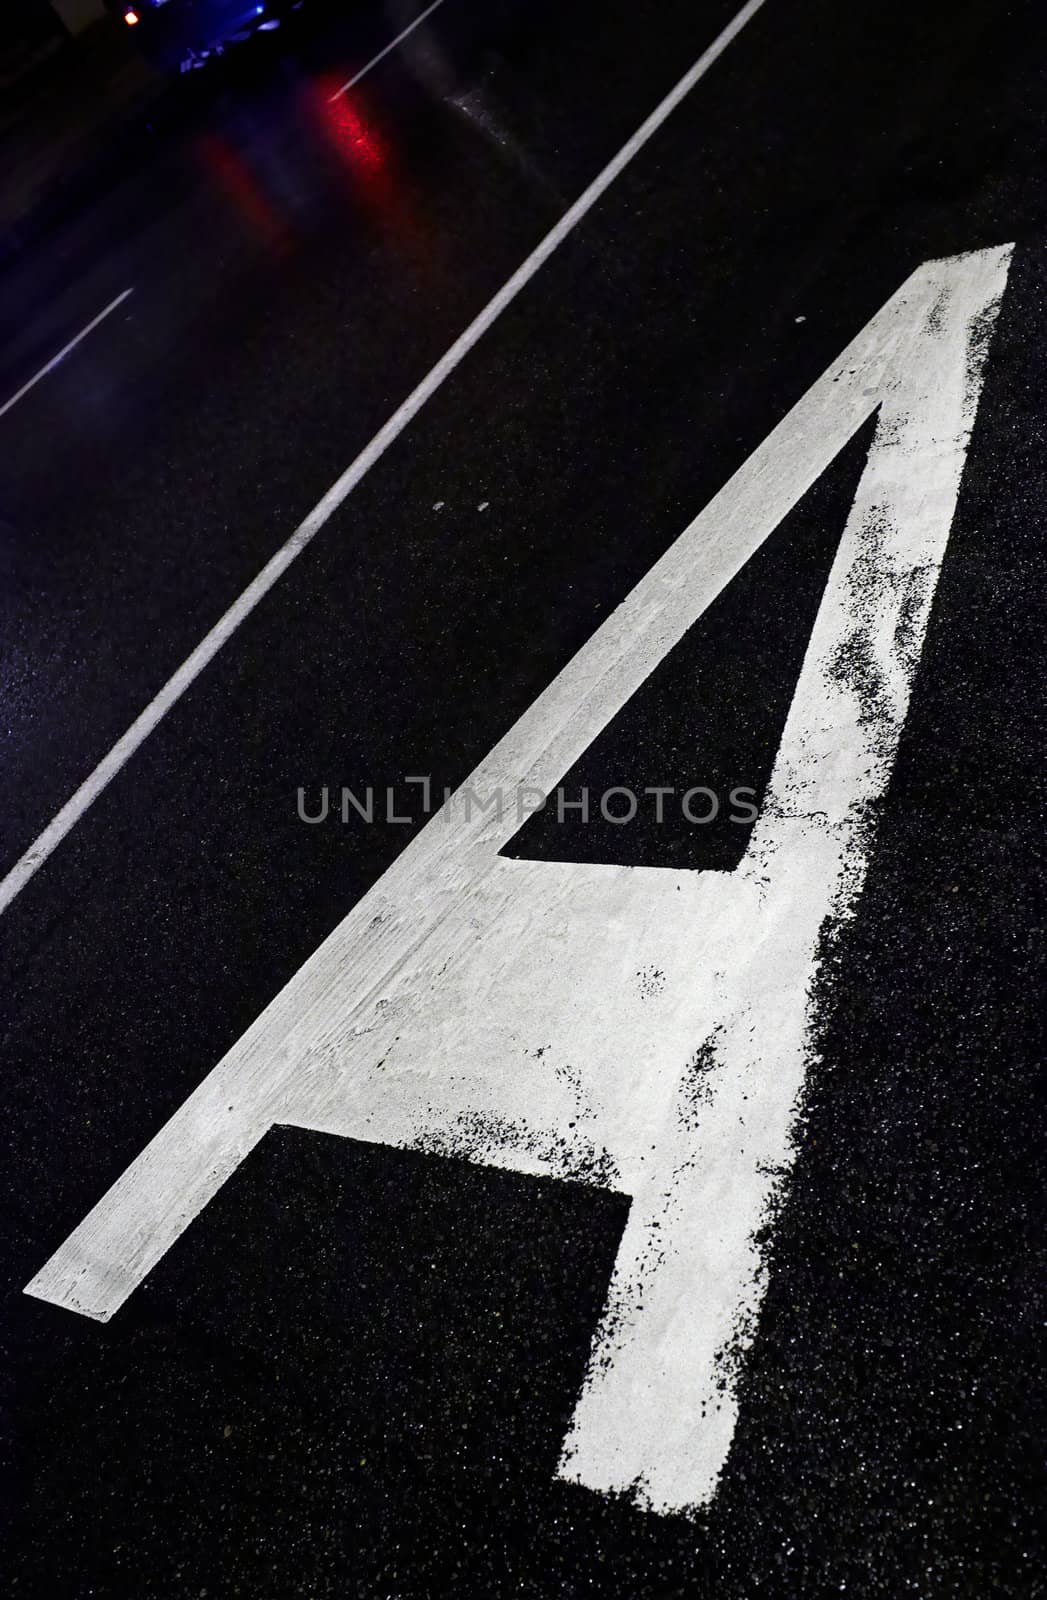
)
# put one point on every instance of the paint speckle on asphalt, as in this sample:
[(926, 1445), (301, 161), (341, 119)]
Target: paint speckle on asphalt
[(650, 981), (473, 1136)]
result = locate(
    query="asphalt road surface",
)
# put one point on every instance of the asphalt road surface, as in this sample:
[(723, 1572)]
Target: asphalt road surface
[(381, 1341)]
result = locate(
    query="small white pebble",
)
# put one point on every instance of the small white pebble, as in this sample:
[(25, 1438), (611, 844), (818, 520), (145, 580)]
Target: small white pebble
[(438, 506), (801, 319), (483, 505)]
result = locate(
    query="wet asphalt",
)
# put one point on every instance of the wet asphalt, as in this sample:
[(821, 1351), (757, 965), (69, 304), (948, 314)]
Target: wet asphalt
[(351, 1376)]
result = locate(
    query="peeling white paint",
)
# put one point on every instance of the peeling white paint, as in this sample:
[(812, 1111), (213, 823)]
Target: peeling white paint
[(639, 1027)]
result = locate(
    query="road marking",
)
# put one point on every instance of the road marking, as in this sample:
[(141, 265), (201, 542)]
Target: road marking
[(60, 357), (223, 630), (411, 26), (482, 1006)]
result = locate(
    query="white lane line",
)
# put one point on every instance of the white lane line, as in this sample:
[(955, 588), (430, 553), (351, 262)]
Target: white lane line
[(307, 530), (411, 26), (56, 360)]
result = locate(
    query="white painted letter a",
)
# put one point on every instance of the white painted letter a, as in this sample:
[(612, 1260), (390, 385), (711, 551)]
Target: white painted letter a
[(488, 1007)]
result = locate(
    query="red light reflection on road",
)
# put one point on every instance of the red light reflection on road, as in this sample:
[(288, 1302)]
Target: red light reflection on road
[(384, 194), (350, 134), (237, 181)]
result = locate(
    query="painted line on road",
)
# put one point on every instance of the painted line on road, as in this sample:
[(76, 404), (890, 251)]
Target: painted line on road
[(501, 1010), (66, 349), (411, 26), (274, 569)]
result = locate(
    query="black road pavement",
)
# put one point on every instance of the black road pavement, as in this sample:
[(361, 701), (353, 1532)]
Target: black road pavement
[(353, 1374)]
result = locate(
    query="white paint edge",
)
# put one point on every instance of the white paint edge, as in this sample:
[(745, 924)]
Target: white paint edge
[(65, 350), (223, 630), (411, 26)]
